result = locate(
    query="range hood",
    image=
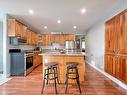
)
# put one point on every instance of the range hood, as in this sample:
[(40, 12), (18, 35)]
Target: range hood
[(17, 41)]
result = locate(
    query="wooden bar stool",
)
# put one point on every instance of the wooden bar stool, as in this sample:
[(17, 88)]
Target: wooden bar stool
[(72, 70), (50, 70)]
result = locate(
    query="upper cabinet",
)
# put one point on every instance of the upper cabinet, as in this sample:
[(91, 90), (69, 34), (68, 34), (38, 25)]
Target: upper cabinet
[(14, 28), (34, 39), (116, 34), (48, 39), (122, 33), (29, 35), (17, 29), (110, 36), (24, 32)]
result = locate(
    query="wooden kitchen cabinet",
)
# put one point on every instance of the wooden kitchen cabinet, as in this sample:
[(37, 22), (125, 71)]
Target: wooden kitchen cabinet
[(14, 28), (116, 46), (34, 39), (18, 29), (69, 37), (116, 65), (29, 35), (24, 32), (122, 33), (110, 36), (121, 68), (48, 39), (43, 39), (37, 60), (110, 64)]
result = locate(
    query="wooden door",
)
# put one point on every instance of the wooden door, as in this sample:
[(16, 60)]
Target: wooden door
[(121, 68), (110, 64), (110, 36), (122, 34)]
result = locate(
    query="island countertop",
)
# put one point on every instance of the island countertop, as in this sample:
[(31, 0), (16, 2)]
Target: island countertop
[(64, 54)]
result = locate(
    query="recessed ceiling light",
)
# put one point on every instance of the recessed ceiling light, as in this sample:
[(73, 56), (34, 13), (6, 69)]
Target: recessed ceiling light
[(74, 27), (83, 10), (59, 21), (31, 11), (45, 27)]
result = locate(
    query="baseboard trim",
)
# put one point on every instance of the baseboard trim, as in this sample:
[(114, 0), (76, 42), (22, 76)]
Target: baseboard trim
[(118, 82)]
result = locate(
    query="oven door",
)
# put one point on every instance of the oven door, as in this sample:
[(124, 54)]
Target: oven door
[(29, 64)]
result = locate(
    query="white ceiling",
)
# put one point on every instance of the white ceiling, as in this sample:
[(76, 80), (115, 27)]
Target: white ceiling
[(47, 12)]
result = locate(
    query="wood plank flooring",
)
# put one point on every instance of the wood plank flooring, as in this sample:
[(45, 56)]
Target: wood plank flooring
[(95, 84)]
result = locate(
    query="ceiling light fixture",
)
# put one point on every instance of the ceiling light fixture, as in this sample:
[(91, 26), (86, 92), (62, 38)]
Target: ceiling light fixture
[(83, 10), (59, 21), (45, 27), (31, 11), (74, 27)]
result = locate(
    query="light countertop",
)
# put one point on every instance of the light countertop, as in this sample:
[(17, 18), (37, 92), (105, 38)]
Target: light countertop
[(63, 54)]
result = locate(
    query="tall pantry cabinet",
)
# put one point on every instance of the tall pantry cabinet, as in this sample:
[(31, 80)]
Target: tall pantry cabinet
[(116, 46)]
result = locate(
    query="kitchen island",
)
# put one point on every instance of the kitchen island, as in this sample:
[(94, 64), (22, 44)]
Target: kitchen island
[(61, 60)]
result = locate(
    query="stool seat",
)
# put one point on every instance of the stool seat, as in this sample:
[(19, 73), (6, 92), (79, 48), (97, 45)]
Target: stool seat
[(51, 64), (71, 66)]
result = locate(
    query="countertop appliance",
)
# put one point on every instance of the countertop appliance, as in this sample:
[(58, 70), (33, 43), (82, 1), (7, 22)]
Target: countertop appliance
[(21, 62)]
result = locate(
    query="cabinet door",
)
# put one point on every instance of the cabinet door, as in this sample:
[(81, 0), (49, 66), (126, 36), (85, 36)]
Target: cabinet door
[(122, 34), (48, 42), (36, 39), (34, 61), (110, 64), (61, 41), (43, 39), (121, 68), (24, 30), (11, 27), (28, 37), (18, 29), (69, 37), (57, 39), (110, 36)]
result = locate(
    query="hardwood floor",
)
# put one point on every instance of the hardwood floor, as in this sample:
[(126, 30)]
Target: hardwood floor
[(95, 84)]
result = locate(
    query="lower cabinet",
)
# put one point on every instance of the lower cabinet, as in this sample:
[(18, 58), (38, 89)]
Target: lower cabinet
[(121, 68), (116, 65), (37, 60), (110, 64)]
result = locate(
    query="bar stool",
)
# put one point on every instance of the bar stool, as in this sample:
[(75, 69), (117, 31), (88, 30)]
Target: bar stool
[(50, 70), (72, 70)]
